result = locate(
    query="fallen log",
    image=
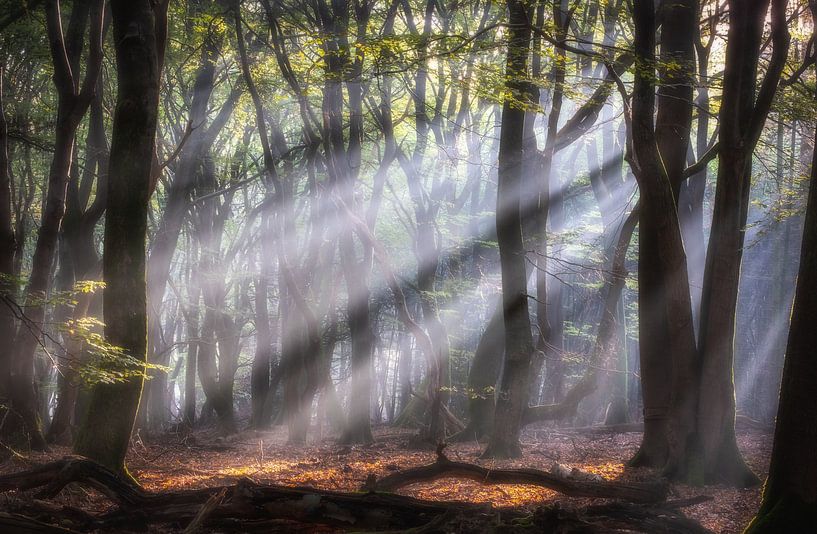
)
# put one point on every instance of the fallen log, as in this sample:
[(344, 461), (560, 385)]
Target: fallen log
[(248, 506), (640, 492), (245, 501), (249, 501), (21, 523), (54, 476), (618, 516)]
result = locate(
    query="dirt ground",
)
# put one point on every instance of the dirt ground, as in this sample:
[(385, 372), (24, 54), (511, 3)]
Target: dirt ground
[(199, 460)]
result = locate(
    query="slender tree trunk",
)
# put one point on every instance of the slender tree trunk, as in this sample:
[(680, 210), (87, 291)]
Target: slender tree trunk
[(23, 426), (404, 370), (8, 246), (191, 364), (550, 338), (512, 397), (673, 123), (691, 198), (81, 259), (262, 361)]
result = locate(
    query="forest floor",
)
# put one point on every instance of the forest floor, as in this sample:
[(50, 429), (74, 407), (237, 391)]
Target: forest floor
[(174, 462)]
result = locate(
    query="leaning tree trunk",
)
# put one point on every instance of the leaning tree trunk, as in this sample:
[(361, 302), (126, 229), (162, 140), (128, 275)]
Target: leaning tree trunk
[(790, 496), (512, 397), (105, 432)]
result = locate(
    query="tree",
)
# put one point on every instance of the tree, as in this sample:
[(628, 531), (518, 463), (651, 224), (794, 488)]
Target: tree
[(512, 397), (74, 95), (790, 494), (667, 340), (744, 108), (138, 36), (7, 244)]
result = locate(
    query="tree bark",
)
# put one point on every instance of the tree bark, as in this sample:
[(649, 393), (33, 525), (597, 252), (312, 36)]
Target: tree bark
[(667, 339), (24, 426), (742, 116), (482, 378), (105, 432), (262, 360), (512, 397), (790, 494), (8, 246)]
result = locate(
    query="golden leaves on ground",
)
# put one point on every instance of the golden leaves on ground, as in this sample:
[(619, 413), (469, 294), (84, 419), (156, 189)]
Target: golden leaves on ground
[(179, 462)]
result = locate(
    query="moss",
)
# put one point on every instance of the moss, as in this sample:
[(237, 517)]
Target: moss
[(105, 433)]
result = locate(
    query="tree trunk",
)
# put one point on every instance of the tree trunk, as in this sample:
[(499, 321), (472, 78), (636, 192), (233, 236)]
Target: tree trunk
[(512, 397), (105, 432), (667, 339), (81, 260), (8, 246), (790, 495), (262, 360), (691, 198), (404, 364), (24, 426), (741, 119), (191, 364), (482, 378)]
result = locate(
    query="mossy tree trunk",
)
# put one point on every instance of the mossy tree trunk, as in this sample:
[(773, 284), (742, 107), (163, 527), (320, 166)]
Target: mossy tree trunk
[(105, 432)]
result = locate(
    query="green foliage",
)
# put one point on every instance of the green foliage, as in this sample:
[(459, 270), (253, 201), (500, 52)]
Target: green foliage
[(100, 361)]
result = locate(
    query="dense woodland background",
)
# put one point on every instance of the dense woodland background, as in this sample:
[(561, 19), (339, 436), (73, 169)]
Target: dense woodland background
[(459, 216)]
